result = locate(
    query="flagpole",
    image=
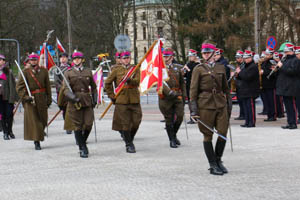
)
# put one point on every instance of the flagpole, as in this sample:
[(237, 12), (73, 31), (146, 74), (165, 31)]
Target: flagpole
[(137, 67)]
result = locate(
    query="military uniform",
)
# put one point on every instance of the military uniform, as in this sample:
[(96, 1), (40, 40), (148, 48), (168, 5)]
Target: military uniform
[(80, 80), (8, 96), (171, 102), (35, 116), (211, 102), (128, 113)]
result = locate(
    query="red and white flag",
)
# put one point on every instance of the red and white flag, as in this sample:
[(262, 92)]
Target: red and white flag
[(98, 78), (60, 46), (153, 70), (46, 59)]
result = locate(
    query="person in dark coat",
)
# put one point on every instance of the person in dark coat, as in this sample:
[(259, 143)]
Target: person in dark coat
[(279, 100), (239, 63), (188, 70), (8, 96), (269, 85), (288, 84), (249, 90)]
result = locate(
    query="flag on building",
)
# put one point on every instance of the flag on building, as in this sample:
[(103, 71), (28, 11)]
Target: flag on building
[(98, 78), (46, 59), (153, 70), (60, 46)]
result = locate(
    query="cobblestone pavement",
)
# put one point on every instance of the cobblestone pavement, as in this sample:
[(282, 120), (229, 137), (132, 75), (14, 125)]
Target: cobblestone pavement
[(264, 164)]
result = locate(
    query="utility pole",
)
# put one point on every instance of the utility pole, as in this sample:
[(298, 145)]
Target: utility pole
[(69, 27), (257, 25), (134, 33)]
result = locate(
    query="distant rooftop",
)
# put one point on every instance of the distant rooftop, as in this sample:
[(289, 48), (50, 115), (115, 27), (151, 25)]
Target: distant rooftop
[(144, 2)]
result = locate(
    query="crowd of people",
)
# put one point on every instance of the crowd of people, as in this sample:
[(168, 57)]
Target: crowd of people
[(206, 85)]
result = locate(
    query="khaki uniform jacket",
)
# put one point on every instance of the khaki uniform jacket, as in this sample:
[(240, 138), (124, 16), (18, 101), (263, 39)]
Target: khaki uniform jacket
[(80, 81), (209, 86), (175, 82), (35, 116), (130, 93)]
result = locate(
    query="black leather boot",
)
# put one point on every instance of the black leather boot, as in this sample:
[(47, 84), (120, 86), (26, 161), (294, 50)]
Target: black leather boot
[(171, 135), (220, 146), (85, 137), (1, 129), (68, 132), (176, 128), (5, 129), (210, 154), (37, 145), (82, 146), (130, 148), (9, 127)]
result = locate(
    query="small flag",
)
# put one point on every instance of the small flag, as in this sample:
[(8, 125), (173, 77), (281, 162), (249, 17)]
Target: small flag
[(46, 59), (60, 46), (98, 78)]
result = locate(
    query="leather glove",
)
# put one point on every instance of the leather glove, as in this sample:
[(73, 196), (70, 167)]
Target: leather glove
[(71, 97), (61, 107), (194, 109), (173, 94), (113, 100), (28, 99)]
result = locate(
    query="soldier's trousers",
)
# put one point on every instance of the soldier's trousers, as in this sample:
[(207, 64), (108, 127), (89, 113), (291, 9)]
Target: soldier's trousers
[(82, 119), (214, 118), (242, 114), (298, 106), (171, 108), (249, 110), (291, 109), (279, 106), (270, 102), (127, 117)]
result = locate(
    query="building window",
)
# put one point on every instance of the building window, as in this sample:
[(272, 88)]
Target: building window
[(160, 32), (144, 33), (144, 16), (159, 14)]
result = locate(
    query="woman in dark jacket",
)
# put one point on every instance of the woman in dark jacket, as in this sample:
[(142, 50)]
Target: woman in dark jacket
[(8, 96)]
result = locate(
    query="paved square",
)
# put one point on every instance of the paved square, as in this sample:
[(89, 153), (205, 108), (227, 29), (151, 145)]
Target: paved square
[(265, 163)]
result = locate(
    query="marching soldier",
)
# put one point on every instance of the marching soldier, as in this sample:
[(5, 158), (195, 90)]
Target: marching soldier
[(35, 107), (171, 102), (188, 70), (269, 85), (287, 84), (8, 96), (211, 103), (128, 112), (58, 79), (82, 98), (249, 88), (279, 100)]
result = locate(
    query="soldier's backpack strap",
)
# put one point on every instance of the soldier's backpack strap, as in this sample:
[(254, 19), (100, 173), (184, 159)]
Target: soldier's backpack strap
[(35, 80)]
